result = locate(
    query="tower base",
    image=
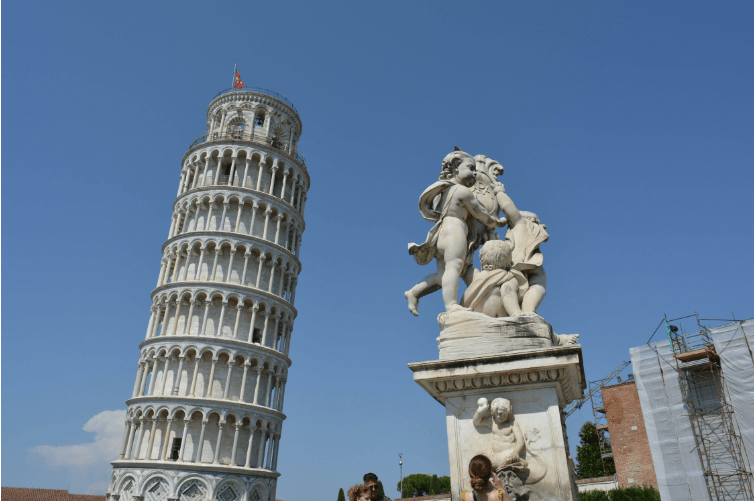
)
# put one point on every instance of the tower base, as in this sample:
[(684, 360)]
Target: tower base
[(174, 481)]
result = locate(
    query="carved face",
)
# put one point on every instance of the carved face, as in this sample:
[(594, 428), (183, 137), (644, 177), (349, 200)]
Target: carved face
[(501, 414), (467, 172)]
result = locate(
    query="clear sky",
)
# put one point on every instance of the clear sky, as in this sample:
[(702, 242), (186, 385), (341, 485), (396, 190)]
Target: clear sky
[(626, 126)]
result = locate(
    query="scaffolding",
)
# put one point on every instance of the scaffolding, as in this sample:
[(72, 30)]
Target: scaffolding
[(600, 416), (706, 398)]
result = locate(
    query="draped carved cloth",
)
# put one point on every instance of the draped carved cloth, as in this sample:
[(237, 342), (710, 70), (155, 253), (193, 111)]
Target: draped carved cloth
[(428, 202), (525, 238), (483, 285)]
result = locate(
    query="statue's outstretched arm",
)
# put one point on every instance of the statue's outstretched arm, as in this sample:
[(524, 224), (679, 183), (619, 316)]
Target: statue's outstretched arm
[(478, 211), (482, 413), (507, 206)]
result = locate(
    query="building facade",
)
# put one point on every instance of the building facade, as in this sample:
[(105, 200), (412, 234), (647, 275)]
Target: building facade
[(628, 436), (206, 414)]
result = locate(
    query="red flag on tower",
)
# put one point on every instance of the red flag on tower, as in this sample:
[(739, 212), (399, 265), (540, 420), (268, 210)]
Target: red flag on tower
[(237, 81)]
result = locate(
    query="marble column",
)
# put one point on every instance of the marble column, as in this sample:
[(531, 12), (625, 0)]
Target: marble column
[(178, 376), (216, 459), (166, 439)]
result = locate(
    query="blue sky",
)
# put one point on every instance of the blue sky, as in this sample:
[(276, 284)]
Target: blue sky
[(626, 126)]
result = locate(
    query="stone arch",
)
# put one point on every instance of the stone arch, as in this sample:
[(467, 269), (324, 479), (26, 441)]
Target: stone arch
[(127, 488), (193, 488), (156, 487), (257, 491), (229, 489)]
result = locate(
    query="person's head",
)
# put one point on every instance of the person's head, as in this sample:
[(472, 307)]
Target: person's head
[(492, 168), (359, 492), (496, 255), (480, 470), (370, 480), (459, 165), (501, 409), (532, 217)]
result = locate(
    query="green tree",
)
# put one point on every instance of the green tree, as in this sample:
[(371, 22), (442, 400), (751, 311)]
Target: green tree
[(588, 456), (434, 486), (380, 490), (444, 485), (341, 495), (420, 484)]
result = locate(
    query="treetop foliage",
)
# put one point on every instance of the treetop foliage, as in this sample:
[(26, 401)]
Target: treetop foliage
[(421, 484), (588, 455), (646, 493)]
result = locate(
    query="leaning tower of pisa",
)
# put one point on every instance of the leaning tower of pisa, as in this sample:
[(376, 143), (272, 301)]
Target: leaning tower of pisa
[(206, 415)]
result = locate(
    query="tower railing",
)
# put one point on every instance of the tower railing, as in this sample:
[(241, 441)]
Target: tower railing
[(282, 147), (258, 90)]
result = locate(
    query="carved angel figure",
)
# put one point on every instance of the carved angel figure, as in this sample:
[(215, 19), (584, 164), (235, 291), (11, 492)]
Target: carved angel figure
[(451, 205), (508, 443), (509, 446)]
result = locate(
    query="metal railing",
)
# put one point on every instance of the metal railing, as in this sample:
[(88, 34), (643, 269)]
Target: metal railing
[(258, 90), (237, 135)]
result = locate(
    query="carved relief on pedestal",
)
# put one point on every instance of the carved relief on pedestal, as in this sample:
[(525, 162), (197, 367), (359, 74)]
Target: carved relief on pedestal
[(509, 448)]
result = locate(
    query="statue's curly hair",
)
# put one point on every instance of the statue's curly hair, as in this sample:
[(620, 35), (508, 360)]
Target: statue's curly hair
[(451, 162), (496, 253), (356, 491), (480, 470)]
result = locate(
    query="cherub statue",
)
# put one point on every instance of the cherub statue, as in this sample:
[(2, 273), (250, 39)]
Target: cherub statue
[(493, 290), (496, 289), (508, 447), (453, 237), (507, 440), (525, 234)]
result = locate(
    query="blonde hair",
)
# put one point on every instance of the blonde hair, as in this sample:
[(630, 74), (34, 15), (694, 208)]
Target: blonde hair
[(356, 491)]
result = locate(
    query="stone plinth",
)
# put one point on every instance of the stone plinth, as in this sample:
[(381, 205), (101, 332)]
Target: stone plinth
[(538, 383), (465, 334)]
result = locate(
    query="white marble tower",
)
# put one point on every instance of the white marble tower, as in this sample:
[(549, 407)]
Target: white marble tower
[(206, 414)]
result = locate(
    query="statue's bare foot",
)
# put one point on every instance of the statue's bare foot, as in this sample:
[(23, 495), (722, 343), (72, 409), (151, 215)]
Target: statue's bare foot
[(413, 302), (567, 339), (455, 307)]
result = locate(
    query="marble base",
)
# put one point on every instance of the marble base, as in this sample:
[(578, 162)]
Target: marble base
[(538, 383), (465, 334)]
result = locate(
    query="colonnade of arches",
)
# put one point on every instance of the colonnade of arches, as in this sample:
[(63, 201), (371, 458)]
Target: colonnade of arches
[(246, 168), (202, 436), (214, 314), (221, 261), (239, 214), (212, 373)]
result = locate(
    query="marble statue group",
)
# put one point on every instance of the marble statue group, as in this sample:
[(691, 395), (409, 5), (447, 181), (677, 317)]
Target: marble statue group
[(494, 348), (465, 205)]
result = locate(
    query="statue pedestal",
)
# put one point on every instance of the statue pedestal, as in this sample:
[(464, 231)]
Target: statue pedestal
[(538, 383)]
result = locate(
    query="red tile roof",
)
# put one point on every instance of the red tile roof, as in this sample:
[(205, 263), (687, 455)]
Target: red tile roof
[(28, 494)]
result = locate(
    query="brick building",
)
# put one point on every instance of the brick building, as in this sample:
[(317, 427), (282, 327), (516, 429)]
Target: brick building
[(628, 436)]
